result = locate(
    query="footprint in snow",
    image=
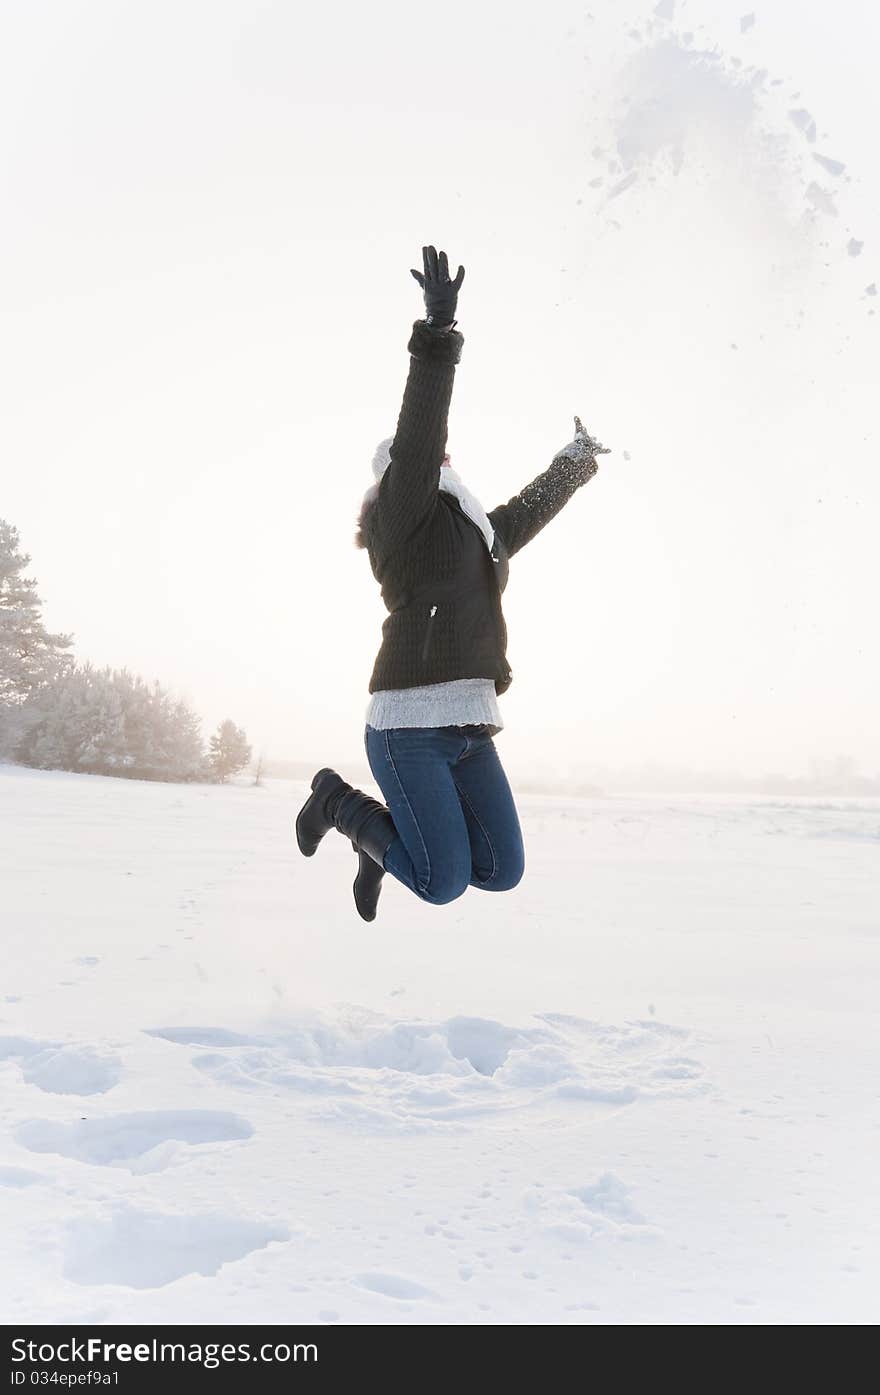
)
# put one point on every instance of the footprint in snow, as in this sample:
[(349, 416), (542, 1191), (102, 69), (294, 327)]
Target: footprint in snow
[(383, 1074), (393, 1286), (62, 1070), (582, 1214), (19, 1177), (144, 1142), (199, 1036), (141, 1249)]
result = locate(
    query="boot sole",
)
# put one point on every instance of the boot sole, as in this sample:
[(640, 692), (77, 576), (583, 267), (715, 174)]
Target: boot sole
[(367, 918), (306, 849)]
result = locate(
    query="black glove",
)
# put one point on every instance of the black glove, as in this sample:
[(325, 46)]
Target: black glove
[(441, 294)]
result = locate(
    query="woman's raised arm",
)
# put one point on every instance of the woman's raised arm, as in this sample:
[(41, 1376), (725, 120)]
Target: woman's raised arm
[(523, 516), (408, 489)]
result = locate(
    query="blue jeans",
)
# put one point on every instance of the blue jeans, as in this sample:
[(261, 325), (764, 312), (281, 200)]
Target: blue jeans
[(456, 821)]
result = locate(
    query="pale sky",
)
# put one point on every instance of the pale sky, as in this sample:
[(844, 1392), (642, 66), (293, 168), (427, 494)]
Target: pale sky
[(210, 212)]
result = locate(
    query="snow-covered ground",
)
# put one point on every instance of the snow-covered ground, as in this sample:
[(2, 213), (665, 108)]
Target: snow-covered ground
[(641, 1088)]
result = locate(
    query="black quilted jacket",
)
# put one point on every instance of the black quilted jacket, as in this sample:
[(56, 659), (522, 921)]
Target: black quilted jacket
[(440, 585)]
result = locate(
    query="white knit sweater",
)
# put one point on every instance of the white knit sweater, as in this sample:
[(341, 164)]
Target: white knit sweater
[(461, 702)]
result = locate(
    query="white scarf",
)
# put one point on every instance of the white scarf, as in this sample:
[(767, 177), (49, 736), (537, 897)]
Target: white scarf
[(449, 481)]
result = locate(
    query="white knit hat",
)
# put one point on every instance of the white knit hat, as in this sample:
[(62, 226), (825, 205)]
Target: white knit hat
[(448, 480)]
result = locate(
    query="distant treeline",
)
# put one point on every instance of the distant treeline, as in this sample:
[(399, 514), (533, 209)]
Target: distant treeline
[(57, 714)]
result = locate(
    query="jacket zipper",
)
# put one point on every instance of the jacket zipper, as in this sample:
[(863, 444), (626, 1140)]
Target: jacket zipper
[(429, 629)]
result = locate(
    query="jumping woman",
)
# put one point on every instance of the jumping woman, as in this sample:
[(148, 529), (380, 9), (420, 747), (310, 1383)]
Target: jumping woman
[(441, 561)]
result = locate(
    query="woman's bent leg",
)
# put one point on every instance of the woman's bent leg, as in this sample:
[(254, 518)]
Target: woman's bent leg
[(498, 857), (413, 768)]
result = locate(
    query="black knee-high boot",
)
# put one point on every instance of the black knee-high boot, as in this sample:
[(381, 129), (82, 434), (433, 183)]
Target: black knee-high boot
[(371, 829), (315, 818), (368, 825)]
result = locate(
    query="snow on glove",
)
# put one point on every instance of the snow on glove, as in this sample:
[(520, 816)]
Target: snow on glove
[(441, 294), (583, 449)]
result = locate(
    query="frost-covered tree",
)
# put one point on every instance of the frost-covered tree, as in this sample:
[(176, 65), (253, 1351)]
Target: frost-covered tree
[(73, 724), (30, 656), (229, 751), (112, 722)]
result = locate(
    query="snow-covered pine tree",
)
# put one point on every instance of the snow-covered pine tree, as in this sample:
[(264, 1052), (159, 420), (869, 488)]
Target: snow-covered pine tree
[(179, 750), (229, 751), (79, 724), (30, 657), (59, 723), (112, 722)]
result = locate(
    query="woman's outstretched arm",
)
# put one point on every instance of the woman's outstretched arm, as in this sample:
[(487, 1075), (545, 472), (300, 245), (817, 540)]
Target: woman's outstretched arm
[(523, 516), (409, 487)]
